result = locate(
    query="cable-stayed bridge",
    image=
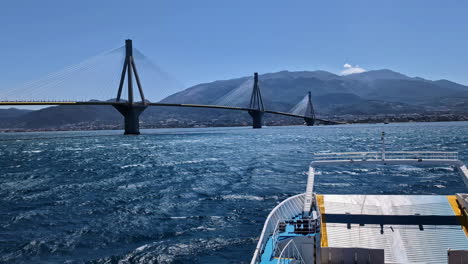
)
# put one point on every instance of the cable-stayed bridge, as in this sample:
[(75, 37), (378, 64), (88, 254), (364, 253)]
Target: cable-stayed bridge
[(101, 74)]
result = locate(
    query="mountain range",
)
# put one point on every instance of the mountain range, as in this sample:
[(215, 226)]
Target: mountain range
[(284, 89), (368, 93)]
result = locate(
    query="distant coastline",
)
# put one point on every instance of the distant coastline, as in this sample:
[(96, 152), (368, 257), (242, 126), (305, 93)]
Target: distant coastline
[(410, 118)]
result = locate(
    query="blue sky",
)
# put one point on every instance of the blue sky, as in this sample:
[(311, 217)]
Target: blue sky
[(202, 41)]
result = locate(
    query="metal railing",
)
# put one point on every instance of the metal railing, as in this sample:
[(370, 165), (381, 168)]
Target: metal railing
[(301, 226), (290, 252), (275, 235), (388, 155), (287, 209)]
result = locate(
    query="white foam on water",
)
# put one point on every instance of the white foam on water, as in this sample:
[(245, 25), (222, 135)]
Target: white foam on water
[(73, 149), (410, 168), (204, 228), (242, 197), (142, 248), (32, 151), (188, 161), (132, 165), (335, 184), (348, 172)]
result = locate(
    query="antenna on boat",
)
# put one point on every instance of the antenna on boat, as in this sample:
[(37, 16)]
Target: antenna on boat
[(383, 145)]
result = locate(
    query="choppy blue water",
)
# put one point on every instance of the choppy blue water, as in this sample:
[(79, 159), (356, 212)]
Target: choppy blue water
[(187, 195)]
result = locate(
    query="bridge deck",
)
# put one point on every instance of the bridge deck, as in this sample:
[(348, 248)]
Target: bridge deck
[(154, 104)]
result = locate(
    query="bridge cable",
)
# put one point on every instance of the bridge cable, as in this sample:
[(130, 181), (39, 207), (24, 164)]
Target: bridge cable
[(41, 89)]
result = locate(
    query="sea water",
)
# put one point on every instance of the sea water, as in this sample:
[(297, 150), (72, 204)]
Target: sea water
[(188, 195)]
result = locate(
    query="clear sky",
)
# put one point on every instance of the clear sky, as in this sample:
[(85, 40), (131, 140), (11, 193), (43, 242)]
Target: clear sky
[(201, 41)]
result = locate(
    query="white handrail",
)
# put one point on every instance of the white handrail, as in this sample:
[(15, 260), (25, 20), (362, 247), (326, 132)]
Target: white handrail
[(440, 158), (312, 227), (296, 203), (275, 236), (286, 210), (291, 253), (431, 155)]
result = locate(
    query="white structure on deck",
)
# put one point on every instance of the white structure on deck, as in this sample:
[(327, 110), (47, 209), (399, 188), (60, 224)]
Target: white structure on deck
[(382, 158)]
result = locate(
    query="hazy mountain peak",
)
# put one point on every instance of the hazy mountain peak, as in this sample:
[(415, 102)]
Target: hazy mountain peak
[(372, 75), (319, 74), (451, 85)]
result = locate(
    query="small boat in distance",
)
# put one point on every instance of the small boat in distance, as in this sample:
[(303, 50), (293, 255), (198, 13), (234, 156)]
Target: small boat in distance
[(311, 228)]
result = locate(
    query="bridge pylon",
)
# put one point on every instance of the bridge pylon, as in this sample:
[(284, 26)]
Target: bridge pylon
[(129, 109), (256, 104), (309, 113)]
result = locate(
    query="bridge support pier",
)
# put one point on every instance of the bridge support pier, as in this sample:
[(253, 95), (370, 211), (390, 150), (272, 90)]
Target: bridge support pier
[(309, 121), (131, 114), (257, 118), (256, 105), (310, 113)]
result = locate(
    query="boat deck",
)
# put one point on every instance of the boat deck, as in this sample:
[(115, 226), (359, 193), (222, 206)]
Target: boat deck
[(372, 228), (410, 228), (290, 231)]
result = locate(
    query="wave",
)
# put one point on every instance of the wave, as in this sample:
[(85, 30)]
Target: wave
[(242, 197), (33, 151), (132, 165)]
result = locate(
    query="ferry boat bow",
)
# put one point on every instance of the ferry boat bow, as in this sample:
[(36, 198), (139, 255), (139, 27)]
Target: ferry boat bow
[(312, 228)]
